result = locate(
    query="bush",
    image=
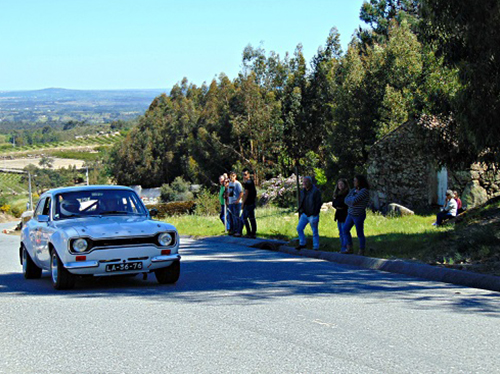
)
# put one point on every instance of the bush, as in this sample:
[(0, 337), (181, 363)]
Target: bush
[(173, 208), (16, 211), (5, 208), (178, 190), (207, 203), (281, 191)]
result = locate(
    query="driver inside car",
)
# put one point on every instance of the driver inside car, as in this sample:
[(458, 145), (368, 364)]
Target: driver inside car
[(70, 207)]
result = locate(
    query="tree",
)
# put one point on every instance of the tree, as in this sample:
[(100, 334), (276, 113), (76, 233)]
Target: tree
[(465, 33), (379, 15), (46, 162)]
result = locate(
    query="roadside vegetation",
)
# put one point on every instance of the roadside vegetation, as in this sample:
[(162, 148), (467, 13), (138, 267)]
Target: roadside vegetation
[(471, 244)]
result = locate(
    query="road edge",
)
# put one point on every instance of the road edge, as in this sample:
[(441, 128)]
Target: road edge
[(414, 269)]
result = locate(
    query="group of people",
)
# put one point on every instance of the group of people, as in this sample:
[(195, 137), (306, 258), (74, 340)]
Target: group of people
[(452, 207), (236, 198), (237, 209), (350, 210)]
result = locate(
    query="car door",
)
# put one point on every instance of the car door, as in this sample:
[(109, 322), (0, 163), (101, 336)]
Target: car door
[(34, 232), (46, 229)]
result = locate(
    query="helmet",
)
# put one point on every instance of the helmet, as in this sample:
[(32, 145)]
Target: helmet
[(70, 206)]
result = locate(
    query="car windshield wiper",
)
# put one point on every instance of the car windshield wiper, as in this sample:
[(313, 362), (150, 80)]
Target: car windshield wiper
[(114, 212), (74, 215)]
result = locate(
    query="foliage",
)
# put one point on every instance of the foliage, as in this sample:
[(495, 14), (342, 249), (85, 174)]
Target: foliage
[(5, 208), (465, 35), (280, 191), (45, 179), (178, 190), (46, 162), (207, 203), (174, 208)]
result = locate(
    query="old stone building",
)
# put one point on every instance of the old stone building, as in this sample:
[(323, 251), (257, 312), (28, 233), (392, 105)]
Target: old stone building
[(401, 170)]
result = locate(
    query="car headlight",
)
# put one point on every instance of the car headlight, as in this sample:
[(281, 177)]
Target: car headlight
[(80, 245), (165, 239)]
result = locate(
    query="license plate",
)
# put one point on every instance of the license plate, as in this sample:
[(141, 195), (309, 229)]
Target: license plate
[(124, 267)]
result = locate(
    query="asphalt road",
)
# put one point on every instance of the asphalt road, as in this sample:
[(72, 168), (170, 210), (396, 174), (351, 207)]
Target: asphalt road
[(240, 310)]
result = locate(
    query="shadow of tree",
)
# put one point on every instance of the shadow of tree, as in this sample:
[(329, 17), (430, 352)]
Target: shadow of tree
[(216, 273)]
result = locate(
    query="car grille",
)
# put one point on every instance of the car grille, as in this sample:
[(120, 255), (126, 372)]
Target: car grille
[(129, 242)]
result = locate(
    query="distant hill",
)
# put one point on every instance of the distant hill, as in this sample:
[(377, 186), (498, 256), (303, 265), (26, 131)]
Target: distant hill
[(56, 105)]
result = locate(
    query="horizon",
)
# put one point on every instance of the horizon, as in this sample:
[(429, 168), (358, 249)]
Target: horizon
[(84, 89)]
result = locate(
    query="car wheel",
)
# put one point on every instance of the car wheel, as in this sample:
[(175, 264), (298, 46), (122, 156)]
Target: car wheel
[(169, 274), (30, 270), (62, 279)]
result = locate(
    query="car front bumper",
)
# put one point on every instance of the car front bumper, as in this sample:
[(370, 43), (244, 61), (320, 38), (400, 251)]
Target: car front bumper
[(96, 262)]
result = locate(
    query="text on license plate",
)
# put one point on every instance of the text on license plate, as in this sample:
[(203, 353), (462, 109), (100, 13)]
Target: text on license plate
[(124, 267)]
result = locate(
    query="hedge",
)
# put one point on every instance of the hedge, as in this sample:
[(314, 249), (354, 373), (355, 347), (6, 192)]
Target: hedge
[(173, 208)]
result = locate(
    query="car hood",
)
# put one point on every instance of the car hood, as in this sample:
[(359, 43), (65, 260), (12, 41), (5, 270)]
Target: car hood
[(114, 226)]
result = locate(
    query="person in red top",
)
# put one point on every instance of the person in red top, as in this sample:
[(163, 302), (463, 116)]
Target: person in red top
[(459, 203)]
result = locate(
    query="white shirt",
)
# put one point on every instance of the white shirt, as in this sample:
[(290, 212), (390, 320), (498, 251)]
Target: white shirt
[(451, 207)]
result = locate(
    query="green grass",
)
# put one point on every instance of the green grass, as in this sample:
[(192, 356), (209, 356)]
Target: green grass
[(411, 237)]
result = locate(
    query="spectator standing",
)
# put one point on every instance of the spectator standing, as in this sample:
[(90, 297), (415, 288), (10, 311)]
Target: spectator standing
[(339, 195), (357, 200), (449, 210), (248, 205), (222, 200), (235, 196), (309, 208)]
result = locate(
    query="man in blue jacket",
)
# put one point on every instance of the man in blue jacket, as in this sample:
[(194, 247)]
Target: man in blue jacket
[(309, 208)]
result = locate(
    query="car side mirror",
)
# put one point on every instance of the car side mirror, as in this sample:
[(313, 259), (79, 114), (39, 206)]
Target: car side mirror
[(42, 218), (153, 212)]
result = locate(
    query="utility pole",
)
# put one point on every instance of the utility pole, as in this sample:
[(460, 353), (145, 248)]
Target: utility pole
[(29, 189)]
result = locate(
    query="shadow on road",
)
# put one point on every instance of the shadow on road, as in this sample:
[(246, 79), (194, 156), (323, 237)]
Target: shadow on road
[(217, 274)]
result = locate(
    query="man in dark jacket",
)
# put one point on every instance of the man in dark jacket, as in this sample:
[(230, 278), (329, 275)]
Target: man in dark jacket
[(309, 208)]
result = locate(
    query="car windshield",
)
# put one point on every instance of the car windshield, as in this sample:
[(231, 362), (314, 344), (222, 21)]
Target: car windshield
[(97, 202)]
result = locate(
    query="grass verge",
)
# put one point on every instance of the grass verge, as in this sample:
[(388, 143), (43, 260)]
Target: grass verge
[(411, 237)]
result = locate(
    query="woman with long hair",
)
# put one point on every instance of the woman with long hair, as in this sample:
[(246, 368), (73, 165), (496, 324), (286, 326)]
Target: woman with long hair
[(339, 195), (357, 201)]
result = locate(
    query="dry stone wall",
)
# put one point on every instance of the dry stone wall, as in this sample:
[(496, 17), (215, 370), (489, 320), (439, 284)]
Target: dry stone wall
[(401, 171)]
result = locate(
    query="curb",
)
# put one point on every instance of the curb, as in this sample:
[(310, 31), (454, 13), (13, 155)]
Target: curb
[(434, 273)]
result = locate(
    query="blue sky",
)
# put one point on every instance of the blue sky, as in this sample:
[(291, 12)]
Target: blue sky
[(119, 44)]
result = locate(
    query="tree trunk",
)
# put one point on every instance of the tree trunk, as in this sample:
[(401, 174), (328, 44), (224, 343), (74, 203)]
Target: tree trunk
[(298, 185)]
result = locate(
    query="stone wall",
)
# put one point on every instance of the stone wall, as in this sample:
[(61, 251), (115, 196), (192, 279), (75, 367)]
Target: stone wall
[(401, 171), (398, 170), (477, 185)]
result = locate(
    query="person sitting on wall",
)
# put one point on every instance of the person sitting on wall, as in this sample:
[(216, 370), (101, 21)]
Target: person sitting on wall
[(449, 210), (460, 208)]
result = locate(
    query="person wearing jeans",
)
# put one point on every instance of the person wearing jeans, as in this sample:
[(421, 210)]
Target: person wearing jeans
[(309, 208), (303, 222), (357, 201), (339, 195), (450, 209), (235, 195)]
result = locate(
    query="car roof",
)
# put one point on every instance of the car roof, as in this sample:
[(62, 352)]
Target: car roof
[(86, 188)]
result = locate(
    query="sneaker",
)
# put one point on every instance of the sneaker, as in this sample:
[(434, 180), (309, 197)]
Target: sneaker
[(299, 247), (238, 235), (435, 224)]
